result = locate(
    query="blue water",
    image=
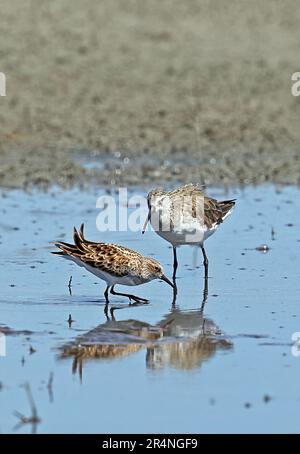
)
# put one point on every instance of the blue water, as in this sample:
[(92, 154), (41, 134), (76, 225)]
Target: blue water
[(227, 368)]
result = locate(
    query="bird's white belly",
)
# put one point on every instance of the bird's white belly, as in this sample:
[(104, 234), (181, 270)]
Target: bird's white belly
[(108, 278), (181, 233)]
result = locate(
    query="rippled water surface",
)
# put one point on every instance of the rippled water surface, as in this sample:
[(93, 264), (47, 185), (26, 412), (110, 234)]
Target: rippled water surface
[(224, 365)]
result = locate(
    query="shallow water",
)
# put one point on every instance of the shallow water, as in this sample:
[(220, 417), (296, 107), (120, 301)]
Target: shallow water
[(222, 366)]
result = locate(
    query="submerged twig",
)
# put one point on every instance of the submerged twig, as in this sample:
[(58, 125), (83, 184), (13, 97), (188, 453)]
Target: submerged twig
[(70, 285), (272, 234), (34, 419), (50, 386), (70, 321)]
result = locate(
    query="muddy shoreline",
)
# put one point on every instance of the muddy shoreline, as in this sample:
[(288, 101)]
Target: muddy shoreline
[(149, 92)]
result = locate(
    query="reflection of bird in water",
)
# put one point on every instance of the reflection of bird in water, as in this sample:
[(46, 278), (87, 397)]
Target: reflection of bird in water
[(196, 339), (182, 339), (110, 340), (113, 339)]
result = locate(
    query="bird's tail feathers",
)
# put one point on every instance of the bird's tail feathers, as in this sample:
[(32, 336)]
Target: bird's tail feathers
[(66, 249), (226, 207), (82, 237), (76, 249)]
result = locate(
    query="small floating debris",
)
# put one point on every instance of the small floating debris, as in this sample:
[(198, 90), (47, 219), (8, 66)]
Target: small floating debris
[(267, 398), (263, 248)]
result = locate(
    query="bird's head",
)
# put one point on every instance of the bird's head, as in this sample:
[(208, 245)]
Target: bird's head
[(152, 198), (152, 269), (154, 195)]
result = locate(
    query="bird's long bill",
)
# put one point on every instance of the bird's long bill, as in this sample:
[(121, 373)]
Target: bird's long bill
[(164, 278), (146, 222)]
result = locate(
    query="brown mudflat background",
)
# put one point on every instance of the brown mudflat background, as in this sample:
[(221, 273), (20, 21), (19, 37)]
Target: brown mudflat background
[(149, 91)]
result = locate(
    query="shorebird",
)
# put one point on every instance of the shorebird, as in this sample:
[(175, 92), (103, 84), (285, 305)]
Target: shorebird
[(113, 263), (186, 216)]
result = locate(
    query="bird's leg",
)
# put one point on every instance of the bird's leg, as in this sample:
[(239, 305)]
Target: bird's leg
[(205, 293), (175, 264), (106, 294), (106, 301), (174, 297), (205, 289), (112, 313), (137, 299), (205, 261)]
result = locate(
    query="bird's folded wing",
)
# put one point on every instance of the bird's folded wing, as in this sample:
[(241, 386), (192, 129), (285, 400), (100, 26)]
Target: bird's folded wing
[(108, 258)]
